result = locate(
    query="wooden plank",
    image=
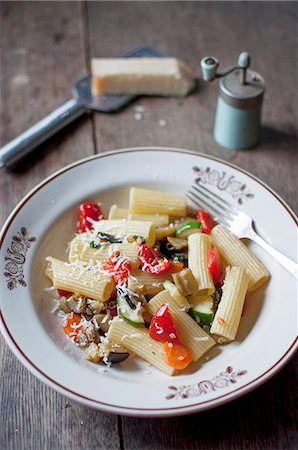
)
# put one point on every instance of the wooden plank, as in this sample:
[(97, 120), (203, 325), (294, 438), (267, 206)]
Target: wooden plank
[(42, 53), (265, 417)]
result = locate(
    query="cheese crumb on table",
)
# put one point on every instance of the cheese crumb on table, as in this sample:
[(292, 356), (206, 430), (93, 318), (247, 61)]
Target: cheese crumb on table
[(138, 116)]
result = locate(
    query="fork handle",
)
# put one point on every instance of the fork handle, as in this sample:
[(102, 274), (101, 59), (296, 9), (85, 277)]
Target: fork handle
[(283, 260)]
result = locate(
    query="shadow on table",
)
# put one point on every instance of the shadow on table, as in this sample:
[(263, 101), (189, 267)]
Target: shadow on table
[(271, 137)]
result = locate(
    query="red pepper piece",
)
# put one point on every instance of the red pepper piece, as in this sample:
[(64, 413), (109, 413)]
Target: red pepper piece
[(88, 210), (162, 327), (118, 267), (150, 261), (215, 265), (63, 293), (206, 220)]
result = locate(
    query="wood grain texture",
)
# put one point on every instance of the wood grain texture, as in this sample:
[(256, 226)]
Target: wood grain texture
[(44, 48)]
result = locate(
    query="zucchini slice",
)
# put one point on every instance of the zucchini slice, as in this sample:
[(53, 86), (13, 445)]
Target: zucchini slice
[(133, 316), (202, 309)]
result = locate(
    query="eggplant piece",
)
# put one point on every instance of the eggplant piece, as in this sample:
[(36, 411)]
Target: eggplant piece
[(168, 250), (178, 243), (122, 294), (106, 237), (117, 357), (131, 297), (117, 353)]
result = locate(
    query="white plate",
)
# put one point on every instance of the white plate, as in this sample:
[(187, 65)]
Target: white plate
[(43, 223)]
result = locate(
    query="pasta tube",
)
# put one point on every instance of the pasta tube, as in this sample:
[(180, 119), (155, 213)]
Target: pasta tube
[(198, 246), (185, 282), (123, 213), (139, 342), (77, 278), (180, 299), (124, 228), (228, 314), (190, 333), (146, 283), (146, 201), (80, 250), (237, 254)]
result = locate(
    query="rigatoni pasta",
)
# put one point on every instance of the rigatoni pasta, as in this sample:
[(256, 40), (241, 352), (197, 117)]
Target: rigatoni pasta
[(148, 283), (80, 250), (237, 254), (228, 314), (198, 246), (179, 298), (79, 279), (146, 201), (125, 228), (123, 213), (185, 282)]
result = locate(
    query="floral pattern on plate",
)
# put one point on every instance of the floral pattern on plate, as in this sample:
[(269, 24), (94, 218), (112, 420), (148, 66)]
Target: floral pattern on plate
[(222, 380), (224, 182), (16, 258)]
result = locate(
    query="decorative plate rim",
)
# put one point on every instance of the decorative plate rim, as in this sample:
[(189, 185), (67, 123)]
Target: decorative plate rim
[(136, 411)]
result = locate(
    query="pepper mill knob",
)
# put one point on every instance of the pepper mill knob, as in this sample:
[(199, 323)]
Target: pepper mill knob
[(244, 60), (209, 66), (243, 64)]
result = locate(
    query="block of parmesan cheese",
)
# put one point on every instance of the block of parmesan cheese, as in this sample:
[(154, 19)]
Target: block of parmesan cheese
[(141, 76)]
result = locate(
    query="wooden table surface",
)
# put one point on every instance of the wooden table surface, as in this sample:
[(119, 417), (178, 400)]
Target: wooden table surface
[(45, 47)]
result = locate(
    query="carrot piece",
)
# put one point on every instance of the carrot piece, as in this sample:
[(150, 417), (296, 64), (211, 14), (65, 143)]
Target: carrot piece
[(177, 266), (177, 355), (70, 325)]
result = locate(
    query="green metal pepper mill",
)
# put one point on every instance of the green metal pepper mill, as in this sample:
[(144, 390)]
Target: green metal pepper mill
[(238, 113)]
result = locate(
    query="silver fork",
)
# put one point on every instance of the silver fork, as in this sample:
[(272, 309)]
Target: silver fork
[(240, 224)]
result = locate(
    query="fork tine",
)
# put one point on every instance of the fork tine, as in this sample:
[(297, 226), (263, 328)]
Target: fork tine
[(211, 203), (213, 210), (217, 197), (229, 213)]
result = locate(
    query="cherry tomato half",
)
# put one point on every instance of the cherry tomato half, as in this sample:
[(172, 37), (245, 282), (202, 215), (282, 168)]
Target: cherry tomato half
[(63, 293), (162, 327), (206, 220), (215, 265), (150, 261), (88, 211), (118, 267)]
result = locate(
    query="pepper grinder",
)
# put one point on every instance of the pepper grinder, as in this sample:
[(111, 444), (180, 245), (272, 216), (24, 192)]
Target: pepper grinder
[(238, 112)]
